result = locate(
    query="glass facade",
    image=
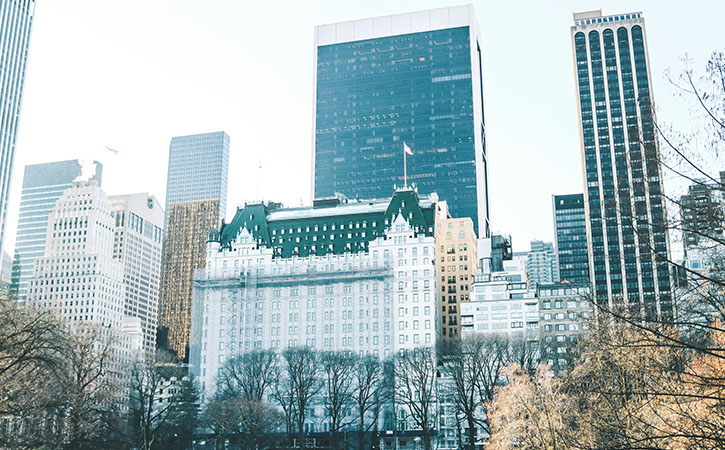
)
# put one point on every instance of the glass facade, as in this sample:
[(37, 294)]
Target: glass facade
[(571, 238), (16, 19), (198, 169), (627, 221), (372, 95), (43, 186)]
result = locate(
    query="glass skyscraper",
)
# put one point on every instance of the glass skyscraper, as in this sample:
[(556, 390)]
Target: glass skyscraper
[(570, 230), (198, 169), (626, 219), (16, 19), (413, 78), (43, 185)]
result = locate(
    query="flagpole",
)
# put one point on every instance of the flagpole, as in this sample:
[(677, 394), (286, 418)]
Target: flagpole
[(405, 167)]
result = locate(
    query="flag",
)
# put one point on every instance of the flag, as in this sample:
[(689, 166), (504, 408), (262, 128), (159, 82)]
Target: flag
[(112, 150), (407, 149)]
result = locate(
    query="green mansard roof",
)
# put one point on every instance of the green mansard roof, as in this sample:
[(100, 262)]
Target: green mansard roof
[(309, 231)]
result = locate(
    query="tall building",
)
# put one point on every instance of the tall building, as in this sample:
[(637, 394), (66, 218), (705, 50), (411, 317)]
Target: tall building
[(626, 217), (184, 251), (198, 169), (340, 275), (570, 230), (78, 278), (16, 20), (77, 275), (456, 264), (43, 186), (137, 245), (542, 265), (413, 78), (196, 199)]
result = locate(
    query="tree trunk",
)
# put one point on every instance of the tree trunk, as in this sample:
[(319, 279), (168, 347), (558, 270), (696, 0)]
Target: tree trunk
[(361, 434), (471, 433)]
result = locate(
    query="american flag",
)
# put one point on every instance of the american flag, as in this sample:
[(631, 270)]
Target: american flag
[(407, 149)]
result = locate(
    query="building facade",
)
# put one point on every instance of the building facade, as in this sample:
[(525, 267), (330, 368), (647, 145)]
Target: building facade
[(626, 217), (565, 310), (43, 185), (501, 303), (184, 251), (542, 265), (137, 245), (456, 263), (80, 281), (77, 276), (16, 20), (570, 230), (702, 211), (413, 78), (356, 276), (198, 169)]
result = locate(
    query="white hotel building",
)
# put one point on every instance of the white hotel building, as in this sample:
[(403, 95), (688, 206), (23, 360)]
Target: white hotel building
[(342, 275)]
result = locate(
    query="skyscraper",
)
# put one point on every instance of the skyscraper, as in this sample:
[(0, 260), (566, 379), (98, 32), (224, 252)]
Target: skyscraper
[(626, 218), (413, 78), (43, 185), (137, 245), (184, 252), (16, 19), (77, 275), (196, 199), (78, 279), (570, 230), (198, 169)]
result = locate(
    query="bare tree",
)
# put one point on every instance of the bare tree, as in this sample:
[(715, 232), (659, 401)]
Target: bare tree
[(530, 412), (338, 368), (415, 377), (89, 387), (257, 421), (151, 410), (301, 370), (472, 368), (284, 394), (250, 375), (29, 343), (30, 340), (222, 417), (367, 393)]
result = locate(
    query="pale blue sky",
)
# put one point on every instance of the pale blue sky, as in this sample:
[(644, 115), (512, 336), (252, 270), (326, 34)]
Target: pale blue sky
[(133, 73)]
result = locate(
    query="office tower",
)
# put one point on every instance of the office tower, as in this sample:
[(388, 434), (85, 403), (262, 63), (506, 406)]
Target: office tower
[(413, 78), (16, 19), (351, 275), (43, 186), (626, 218), (184, 252), (196, 199), (542, 265), (570, 230), (78, 278), (77, 275), (137, 245), (198, 169), (456, 265)]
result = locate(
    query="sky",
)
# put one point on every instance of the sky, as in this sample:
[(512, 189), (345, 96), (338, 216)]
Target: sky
[(130, 74)]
